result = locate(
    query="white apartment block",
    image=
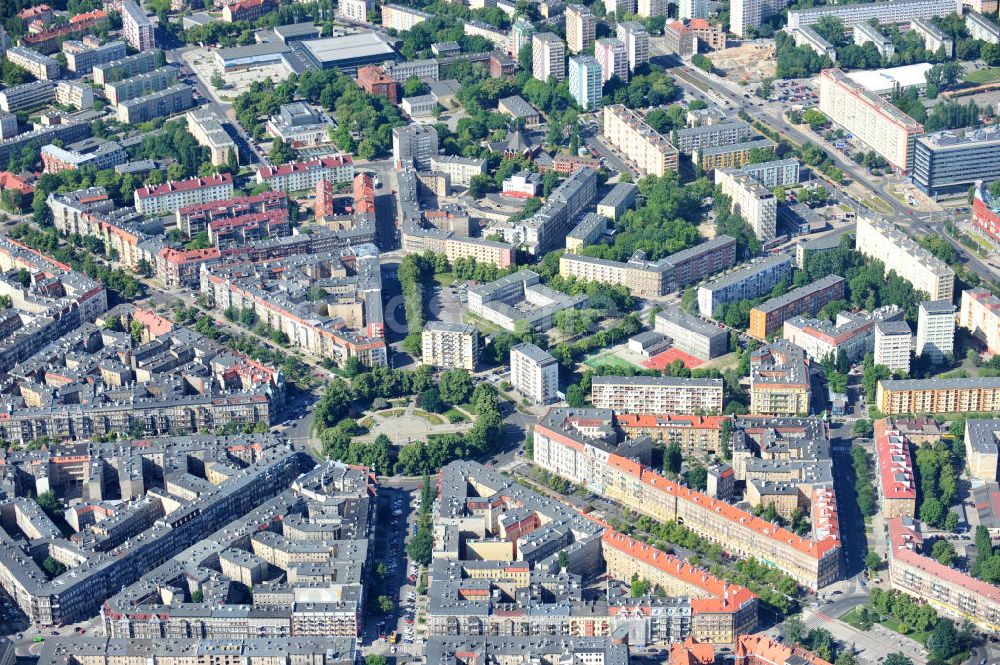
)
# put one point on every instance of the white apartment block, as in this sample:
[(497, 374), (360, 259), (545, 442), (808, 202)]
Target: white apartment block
[(936, 329), (692, 9), (878, 239), (612, 57), (636, 41), (980, 315), (893, 340), (654, 394), (402, 18), (754, 202), (548, 56), (450, 345), (889, 11), (873, 120), (75, 94), (580, 27), (355, 10), (40, 66), (459, 169), (865, 33), (808, 37), (137, 29), (744, 16), (158, 199), (621, 7), (980, 27), (209, 132), (301, 176), (934, 37), (627, 131), (585, 83), (414, 144), (648, 8), (534, 373)]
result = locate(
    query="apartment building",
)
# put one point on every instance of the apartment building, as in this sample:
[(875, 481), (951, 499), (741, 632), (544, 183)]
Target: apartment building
[(162, 104), (414, 144), (621, 7), (733, 156), (548, 56), (813, 562), (140, 85), (647, 149), (973, 395), (779, 380), (982, 28), (690, 139), (460, 170), (247, 11), (76, 94), (580, 27), (82, 56), (934, 38), (521, 299), (193, 219), (690, 334), (753, 281), (648, 278), (612, 57), (299, 176), (534, 373), (209, 132), (137, 29), (94, 152), (952, 161), (650, 8), (355, 10), (521, 31), (27, 96), (645, 394), (771, 315), (774, 173), (852, 333), (985, 213), (724, 610), (895, 479), (865, 33), (746, 15), (157, 199), (936, 329), (878, 239), (636, 41), (689, 9), (982, 439), (621, 198), (751, 200), (884, 11), (806, 36), (585, 83), (685, 37), (125, 68), (946, 589), (871, 119), (450, 345), (40, 66), (893, 341), (698, 436), (401, 18), (979, 313)]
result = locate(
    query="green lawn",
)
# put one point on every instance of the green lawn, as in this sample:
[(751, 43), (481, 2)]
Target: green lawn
[(454, 415), (851, 618), (892, 624), (609, 360), (987, 75), (444, 278)]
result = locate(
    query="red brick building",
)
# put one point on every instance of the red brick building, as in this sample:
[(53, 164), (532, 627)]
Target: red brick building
[(376, 82)]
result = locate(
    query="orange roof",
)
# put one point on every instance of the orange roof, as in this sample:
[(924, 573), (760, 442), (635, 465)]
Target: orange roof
[(692, 652), (723, 596), (895, 466), (741, 518), (761, 648), (157, 325), (9, 180), (647, 420)]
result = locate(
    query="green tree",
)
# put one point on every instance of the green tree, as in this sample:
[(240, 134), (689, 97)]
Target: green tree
[(455, 386), (673, 458), (872, 561), (794, 629), (376, 659), (280, 152), (639, 587), (420, 548), (944, 552), (50, 503), (385, 604), (430, 400), (698, 478)]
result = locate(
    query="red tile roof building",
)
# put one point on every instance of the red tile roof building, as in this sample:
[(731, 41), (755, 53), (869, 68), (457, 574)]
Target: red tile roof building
[(157, 199), (46, 40), (894, 465), (698, 436), (247, 10), (692, 652), (762, 650), (193, 219), (300, 176), (719, 610), (812, 562), (946, 589), (376, 82)]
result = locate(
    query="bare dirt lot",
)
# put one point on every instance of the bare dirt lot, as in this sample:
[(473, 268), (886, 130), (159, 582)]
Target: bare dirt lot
[(751, 61)]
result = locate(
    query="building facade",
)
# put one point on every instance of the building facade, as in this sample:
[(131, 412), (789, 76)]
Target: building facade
[(534, 373), (751, 200), (952, 161), (585, 81), (628, 131), (137, 29), (904, 396), (893, 341), (644, 394), (612, 57), (980, 315), (936, 329), (580, 27), (548, 56), (450, 345), (878, 239)]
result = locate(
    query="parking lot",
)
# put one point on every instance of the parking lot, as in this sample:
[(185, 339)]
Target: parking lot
[(399, 628), (793, 92)]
